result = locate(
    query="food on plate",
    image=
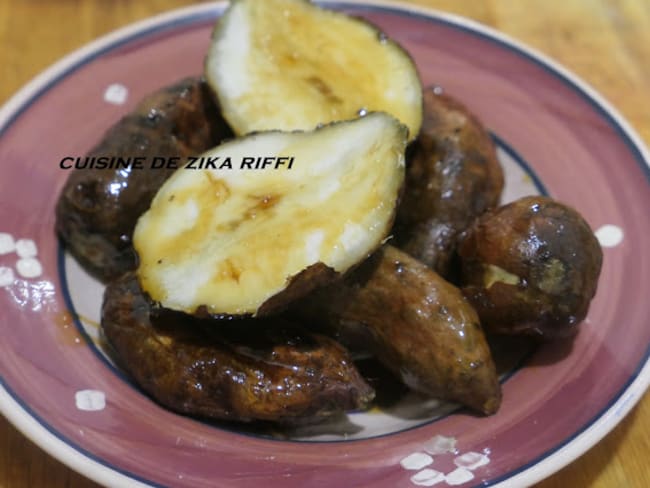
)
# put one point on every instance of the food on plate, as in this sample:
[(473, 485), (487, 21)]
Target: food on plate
[(531, 267), (243, 370), (418, 325), (291, 65), (98, 208), (280, 228), (233, 241), (452, 177)]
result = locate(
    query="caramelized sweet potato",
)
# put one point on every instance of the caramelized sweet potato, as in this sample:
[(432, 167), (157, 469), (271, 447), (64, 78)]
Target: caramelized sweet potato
[(98, 208), (531, 267), (418, 325), (236, 370), (452, 176)]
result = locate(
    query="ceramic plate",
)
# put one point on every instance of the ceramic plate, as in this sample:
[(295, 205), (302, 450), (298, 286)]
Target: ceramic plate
[(555, 136)]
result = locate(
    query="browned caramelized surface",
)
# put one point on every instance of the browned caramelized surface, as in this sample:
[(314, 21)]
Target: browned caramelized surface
[(452, 177), (236, 370), (531, 266), (98, 208), (418, 325)]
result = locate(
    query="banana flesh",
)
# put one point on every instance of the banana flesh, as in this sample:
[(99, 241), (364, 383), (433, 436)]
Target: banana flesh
[(291, 65), (226, 240)]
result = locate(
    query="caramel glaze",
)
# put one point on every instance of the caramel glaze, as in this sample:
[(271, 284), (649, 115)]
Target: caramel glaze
[(417, 325), (551, 251), (230, 369), (98, 208), (67, 332), (452, 176)]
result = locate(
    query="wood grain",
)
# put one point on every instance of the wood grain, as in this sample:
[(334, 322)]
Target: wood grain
[(606, 42)]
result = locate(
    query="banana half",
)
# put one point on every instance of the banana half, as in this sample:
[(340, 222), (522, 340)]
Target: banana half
[(291, 65), (245, 237)]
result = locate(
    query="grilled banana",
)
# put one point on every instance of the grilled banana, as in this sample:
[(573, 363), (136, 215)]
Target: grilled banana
[(245, 241), (291, 65)]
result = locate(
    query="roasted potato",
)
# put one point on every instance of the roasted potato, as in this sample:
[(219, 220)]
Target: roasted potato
[(244, 370), (531, 267), (238, 240), (98, 208), (418, 325), (452, 177)]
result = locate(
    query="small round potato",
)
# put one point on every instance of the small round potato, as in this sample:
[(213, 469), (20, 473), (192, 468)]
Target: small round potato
[(531, 267)]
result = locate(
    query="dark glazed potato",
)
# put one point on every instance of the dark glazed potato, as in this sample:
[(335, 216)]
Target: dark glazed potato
[(531, 267), (452, 177), (418, 325), (240, 370), (98, 208)]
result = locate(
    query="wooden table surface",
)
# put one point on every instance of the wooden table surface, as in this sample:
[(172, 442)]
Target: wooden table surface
[(606, 42)]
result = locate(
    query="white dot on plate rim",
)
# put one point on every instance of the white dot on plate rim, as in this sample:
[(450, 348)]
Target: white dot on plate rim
[(609, 235), (440, 444), (116, 94), (459, 476), (26, 248), (6, 276), (417, 460), (29, 267), (471, 460), (90, 400), (7, 243), (427, 477)]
